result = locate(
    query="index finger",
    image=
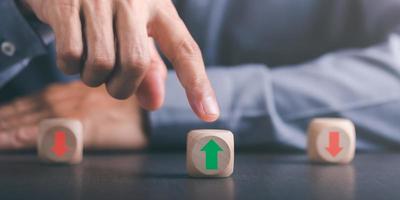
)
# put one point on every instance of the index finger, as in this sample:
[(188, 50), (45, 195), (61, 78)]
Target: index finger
[(183, 52)]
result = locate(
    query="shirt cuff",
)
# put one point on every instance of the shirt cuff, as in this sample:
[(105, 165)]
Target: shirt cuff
[(18, 40)]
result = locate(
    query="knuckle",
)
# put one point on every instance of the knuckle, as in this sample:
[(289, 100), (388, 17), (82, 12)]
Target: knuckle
[(97, 69), (135, 71), (101, 64), (136, 66), (140, 62), (69, 54)]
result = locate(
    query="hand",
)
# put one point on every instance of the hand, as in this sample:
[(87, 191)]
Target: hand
[(108, 123), (107, 41)]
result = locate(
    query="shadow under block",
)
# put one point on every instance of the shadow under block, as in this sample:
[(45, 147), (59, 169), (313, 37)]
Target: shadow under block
[(331, 140), (210, 153), (60, 141)]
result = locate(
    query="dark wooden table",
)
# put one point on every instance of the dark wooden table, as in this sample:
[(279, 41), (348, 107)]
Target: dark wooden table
[(163, 176)]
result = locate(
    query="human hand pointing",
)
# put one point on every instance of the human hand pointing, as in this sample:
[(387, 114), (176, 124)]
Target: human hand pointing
[(109, 41)]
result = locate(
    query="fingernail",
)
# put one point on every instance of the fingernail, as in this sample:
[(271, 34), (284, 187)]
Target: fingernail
[(210, 106)]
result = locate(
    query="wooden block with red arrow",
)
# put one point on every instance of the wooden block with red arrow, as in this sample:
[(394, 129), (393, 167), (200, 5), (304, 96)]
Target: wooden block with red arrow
[(331, 140), (60, 141)]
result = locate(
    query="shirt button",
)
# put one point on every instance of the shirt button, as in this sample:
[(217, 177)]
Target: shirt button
[(8, 48)]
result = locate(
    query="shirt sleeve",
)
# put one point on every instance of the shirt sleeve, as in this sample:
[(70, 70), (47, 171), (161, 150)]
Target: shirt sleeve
[(271, 108), (18, 40), (12, 71)]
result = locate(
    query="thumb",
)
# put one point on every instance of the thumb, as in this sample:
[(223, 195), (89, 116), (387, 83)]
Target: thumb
[(151, 91)]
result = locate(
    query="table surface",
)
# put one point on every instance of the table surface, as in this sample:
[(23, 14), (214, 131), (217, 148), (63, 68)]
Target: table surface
[(163, 176)]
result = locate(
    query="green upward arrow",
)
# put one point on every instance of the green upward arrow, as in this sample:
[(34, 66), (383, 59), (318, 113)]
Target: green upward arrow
[(211, 150)]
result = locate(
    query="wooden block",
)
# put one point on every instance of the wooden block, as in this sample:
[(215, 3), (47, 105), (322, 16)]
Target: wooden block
[(210, 153), (331, 140), (60, 141)]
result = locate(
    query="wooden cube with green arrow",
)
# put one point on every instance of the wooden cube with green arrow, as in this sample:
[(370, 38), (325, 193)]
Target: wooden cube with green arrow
[(60, 141), (331, 140), (210, 153)]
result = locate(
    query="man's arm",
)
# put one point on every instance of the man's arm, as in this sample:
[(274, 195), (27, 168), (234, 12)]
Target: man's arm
[(272, 107)]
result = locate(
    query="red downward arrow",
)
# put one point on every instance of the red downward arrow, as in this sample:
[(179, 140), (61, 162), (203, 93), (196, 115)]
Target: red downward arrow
[(60, 147), (334, 149)]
